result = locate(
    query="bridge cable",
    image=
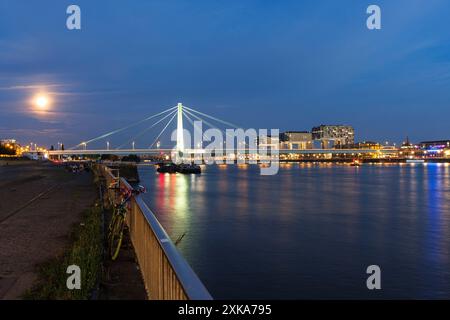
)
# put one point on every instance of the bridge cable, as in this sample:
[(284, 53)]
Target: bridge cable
[(212, 126), (163, 130), (216, 119), (195, 126), (213, 118), (146, 129), (122, 129)]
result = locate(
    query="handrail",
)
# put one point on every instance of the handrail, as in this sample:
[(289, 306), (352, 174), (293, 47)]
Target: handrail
[(186, 278), (192, 285)]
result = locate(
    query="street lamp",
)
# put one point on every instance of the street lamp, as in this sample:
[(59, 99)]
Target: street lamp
[(107, 145), (133, 145)]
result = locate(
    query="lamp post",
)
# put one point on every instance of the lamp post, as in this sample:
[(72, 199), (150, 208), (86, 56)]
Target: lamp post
[(107, 145), (133, 145)]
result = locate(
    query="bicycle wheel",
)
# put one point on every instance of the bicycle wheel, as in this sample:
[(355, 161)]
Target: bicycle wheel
[(116, 237), (112, 222)]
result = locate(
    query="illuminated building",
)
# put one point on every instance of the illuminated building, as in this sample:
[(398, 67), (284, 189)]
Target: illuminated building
[(334, 135), (296, 140), (435, 145), (365, 145), (435, 149)]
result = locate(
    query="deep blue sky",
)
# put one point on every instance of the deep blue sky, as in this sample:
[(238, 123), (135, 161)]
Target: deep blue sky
[(263, 64)]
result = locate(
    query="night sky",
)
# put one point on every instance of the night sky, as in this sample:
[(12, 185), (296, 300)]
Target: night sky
[(263, 64)]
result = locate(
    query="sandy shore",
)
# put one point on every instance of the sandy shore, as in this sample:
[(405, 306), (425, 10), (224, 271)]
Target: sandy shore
[(39, 203)]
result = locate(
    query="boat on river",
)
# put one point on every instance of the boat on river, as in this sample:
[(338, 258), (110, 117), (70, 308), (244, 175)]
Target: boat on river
[(189, 169), (180, 168), (167, 168)]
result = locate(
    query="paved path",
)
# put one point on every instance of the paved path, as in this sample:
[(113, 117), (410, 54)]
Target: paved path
[(39, 203), (123, 279)]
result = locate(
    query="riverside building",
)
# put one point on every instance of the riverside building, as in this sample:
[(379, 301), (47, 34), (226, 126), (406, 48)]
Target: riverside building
[(292, 140), (332, 136)]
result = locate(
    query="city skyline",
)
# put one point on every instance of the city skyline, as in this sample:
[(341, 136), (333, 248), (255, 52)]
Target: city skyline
[(290, 67)]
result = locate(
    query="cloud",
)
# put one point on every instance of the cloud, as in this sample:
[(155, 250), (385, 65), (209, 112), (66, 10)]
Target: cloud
[(83, 93), (29, 132), (33, 86)]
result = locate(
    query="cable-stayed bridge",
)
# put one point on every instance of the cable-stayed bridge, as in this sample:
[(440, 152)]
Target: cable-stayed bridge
[(179, 149), (180, 112)]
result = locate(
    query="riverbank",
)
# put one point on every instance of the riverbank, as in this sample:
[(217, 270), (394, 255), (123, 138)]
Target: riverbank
[(51, 218), (127, 170), (85, 251), (12, 161), (39, 205)]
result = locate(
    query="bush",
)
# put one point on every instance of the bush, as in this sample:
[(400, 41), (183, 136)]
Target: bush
[(109, 157), (131, 158)]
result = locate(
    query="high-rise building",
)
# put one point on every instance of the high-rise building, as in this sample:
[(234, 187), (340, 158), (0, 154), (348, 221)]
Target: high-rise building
[(334, 135), (296, 140)]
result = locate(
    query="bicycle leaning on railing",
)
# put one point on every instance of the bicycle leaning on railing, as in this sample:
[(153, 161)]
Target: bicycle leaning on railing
[(118, 221)]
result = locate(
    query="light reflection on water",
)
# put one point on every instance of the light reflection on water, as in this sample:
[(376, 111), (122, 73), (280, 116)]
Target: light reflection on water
[(311, 230)]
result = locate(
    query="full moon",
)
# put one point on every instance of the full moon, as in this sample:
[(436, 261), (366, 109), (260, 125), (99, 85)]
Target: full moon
[(41, 102)]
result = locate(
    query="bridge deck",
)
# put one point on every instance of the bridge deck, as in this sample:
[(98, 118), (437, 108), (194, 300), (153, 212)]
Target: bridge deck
[(201, 151)]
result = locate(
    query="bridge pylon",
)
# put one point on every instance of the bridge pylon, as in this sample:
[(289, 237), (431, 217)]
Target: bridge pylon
[(180, 135)]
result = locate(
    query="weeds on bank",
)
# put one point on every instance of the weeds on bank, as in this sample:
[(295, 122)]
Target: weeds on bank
[(84, 251)]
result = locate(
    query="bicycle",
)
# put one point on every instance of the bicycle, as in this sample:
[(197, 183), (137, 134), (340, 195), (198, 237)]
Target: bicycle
[(117, 224)]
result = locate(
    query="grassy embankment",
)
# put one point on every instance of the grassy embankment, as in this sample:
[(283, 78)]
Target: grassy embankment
[(85, 251)]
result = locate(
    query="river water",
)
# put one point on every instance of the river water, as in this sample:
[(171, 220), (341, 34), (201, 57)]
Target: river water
[(312, 230)]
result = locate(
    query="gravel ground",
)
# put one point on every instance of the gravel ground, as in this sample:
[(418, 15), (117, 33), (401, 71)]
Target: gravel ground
[(39, 203)]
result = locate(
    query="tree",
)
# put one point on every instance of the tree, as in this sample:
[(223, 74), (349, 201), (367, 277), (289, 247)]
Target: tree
[(131, 158), (109, 157)]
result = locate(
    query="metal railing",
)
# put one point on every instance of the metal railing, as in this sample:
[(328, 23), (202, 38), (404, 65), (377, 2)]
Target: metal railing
[(166, 274)]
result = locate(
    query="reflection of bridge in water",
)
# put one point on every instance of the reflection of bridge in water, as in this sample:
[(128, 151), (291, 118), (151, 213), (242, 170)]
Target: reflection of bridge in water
[(179, 149)]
